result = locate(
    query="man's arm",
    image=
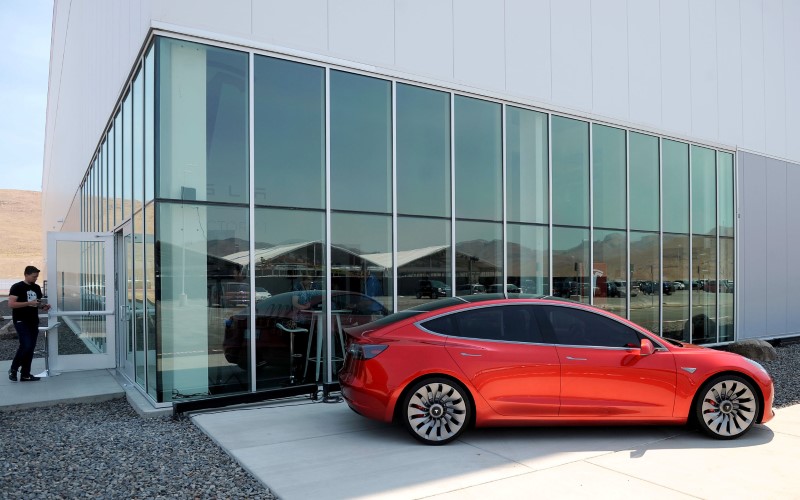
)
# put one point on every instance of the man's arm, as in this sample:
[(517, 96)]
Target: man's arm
[(14, 303)]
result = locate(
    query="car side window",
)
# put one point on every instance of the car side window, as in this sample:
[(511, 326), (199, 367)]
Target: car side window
[(506, 323), (582, 328)]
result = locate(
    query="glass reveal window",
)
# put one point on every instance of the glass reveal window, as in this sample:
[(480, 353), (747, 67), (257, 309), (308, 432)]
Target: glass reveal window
[(608, 157), (528, 256), (423, 260), (570, 150), (644, 185), (675, 178), (572, 273), (526, 166)]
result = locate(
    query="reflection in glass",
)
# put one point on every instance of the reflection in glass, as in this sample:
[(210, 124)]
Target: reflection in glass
[(119, 214), (704, 293), (203, 122), (479, 256), (571, 267), (528, 258), (150, 299), (725, 192), (361, 143), (609, 271), (644, 200), (149, 125), (423, 151), (704, 185), (526, 166), (289, 133), (478, 157), (675, 177), (82, 335), (570, 151), (678, 286), (645, 270), (608, 157), (423, 260), (137, 175), (127, 155), (140, 314), (289, 268), (203, 286), (725, 296)]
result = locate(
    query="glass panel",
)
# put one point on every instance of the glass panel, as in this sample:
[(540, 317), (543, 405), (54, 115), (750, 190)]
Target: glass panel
[(203, 122), (727, 209), (138, 144), (290, 274), (643, 182), (526, 166), (479, 256), (609, 272), (140, 314), (199, 248), (675, 177), (678, 286), (528, 252), (150, 299), (727, 249), (82, 335), (119, 214), (704, 185), (423, 261), (289, 134), (608, 156), (571, 269), (645, 270), (149, 125), (361, 143), (478, 157), (127, 154), (423, 151), (704, 293), (570, 151)]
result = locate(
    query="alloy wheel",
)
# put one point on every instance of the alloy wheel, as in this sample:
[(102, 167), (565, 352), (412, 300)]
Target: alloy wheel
[(437, 411), (728, 408)]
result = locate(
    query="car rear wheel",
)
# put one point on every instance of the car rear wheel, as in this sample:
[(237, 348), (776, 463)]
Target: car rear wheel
[(436, 410), (727, 407)]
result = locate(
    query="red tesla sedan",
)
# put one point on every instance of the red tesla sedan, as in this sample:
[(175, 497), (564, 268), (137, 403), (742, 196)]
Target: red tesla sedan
[(494, 361)]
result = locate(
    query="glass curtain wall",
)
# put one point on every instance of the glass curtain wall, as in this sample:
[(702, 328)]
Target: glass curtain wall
[(640, 225)]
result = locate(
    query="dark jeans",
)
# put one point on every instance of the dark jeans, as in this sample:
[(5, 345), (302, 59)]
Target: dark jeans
[(28, 334)]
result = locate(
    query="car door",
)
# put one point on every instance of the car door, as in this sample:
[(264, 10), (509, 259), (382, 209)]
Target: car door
[(500, 350), (603, 373)]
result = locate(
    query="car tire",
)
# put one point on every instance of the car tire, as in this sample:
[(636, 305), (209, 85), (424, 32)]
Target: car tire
[(436, 410), (419, 295), (727, 406)]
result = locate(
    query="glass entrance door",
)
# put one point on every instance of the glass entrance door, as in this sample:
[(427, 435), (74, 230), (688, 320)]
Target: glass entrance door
[(125, 294), (80, 287)]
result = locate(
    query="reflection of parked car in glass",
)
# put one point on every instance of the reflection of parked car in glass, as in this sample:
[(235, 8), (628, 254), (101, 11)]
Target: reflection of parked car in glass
[(622, 288), (272, 343), (565, 288), (498, 288), (432, 289), (678, 285), (235, 294), (470, 289), (262, 293), (651, 287), (725, 286)]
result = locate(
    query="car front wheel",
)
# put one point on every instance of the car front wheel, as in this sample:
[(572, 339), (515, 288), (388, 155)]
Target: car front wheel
[(436, 410), (727, 407)]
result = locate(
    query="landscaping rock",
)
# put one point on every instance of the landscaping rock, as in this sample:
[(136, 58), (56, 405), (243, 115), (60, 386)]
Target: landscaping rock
[(757, 350)]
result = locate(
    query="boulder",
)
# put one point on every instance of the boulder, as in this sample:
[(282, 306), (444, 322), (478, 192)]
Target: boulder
[(757, 350)]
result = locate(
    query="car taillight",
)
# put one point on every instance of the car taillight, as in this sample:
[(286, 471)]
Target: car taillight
[(365, 351)]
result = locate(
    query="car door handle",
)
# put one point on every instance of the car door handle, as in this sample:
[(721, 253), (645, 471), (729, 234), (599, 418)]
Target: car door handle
[(471, 355), (571, 358)]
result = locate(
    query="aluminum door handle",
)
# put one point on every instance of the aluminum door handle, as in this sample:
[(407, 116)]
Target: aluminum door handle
[(471, 355), (571, 358)]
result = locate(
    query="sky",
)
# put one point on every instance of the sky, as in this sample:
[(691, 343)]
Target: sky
[(24, 65)]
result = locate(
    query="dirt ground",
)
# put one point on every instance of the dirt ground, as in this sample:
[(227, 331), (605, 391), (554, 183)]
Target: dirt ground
[(20, 234)]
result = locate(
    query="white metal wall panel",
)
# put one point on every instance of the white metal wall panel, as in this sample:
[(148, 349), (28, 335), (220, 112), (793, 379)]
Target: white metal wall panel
[(729, 68), (676, 92), (610, 58), (792, 244), (774, 78), (703, 57), (479, 43), (232, 17), (571, 46), (424, 38), (644, 59), (775, 242), (301, 25), (528, 62), (753, 114), (751, 244), (362, 30), (792, 44)]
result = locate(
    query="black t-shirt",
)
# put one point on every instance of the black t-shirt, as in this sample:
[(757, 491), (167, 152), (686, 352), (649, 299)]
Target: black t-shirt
[(26, 293)]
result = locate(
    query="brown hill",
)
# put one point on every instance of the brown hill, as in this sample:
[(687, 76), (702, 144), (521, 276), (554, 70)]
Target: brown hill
[(20, 233)]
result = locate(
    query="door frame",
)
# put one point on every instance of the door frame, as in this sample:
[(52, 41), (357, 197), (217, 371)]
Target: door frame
[(125, 359), (77, 362)]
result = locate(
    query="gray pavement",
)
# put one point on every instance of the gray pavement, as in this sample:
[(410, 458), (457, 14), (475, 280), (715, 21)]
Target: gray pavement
[(302, 449)]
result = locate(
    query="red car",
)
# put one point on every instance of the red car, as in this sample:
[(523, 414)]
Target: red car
[(492, 361)]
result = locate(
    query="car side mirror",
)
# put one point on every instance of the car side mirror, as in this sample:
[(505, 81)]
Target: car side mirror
[(647, 347)]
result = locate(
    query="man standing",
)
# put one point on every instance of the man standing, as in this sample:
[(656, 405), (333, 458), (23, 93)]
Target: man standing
[(25, 300)]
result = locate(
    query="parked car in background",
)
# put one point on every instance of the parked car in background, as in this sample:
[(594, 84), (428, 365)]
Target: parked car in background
[(498, 288), (483, 361), (432, 289), (651, 287), (724, 286), (235, 294), (678, 285), (624, 289), (262, 293), (470, 289)]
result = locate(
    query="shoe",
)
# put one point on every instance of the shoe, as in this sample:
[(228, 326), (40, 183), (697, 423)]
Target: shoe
[(12, 375), (28, 378)]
